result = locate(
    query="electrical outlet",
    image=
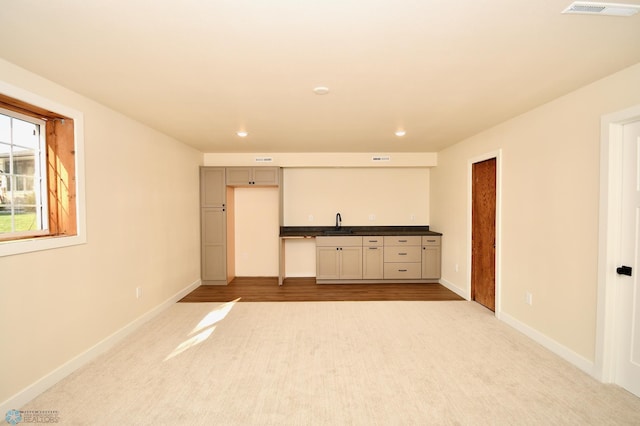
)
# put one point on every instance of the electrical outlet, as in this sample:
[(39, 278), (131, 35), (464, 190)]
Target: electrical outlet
[(138, 292), (310, 218), (412, 218), (456, 267), (528, 298), (372, 216)]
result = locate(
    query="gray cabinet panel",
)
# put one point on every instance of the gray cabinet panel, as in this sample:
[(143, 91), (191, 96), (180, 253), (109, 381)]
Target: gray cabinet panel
[(212, 187), (372, 263), (213, 224)]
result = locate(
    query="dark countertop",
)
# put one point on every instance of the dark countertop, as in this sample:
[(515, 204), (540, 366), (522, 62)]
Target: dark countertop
[(316, 231)]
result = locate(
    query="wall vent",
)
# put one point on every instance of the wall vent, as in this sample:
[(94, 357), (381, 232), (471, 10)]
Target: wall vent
[(264, 159), (381, 158), (599, 8)]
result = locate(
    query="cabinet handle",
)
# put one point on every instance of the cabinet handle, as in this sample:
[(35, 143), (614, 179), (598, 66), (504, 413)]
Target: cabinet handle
[(431, 241), (402, 241), (373, 248), (402, 270), (373, 241), (402, 254)]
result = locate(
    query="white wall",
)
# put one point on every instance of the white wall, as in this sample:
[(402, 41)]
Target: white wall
[(549, 226), (142, 230), (362, 196)]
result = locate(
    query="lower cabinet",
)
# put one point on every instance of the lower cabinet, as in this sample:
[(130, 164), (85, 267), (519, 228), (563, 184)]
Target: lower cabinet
[(372, 258), (339, 258), (350, 259), (402, 258), (431, 257), (214, 244)]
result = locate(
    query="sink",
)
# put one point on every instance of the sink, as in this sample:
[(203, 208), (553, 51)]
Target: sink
[(338, 232)]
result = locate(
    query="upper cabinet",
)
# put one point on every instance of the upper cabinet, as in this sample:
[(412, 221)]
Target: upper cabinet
[(258, 176), (212, 187)]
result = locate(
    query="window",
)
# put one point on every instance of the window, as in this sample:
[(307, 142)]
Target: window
[(39, 189), (23, 207)]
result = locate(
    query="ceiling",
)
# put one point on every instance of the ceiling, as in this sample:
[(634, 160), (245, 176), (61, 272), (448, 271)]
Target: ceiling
[(201, 70)]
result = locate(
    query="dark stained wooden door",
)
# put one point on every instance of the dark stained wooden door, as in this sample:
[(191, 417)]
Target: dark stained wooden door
[(483, 233)]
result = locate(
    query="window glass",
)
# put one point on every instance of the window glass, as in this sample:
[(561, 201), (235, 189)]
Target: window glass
[(26, 136), (22, 181), (5, 130)]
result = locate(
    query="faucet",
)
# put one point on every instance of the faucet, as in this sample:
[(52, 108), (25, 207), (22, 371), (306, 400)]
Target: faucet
[(338, 220)]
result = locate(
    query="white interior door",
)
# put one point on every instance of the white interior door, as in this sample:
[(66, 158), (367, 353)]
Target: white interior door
[(628, 286)]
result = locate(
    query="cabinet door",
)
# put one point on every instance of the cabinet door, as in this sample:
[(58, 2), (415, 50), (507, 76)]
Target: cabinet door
[(259, 176), (214, 263), (372, 263), (327, 263), (265, 175), (430, 262), (212, 187), (213, 240), (238, 176), (351, 263)]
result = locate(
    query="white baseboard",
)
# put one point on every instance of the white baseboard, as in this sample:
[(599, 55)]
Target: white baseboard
[(562, 351), (555, 347), (457, 290), (44, 383)]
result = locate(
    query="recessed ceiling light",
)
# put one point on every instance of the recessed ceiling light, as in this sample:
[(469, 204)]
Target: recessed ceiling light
[(242, 134), (601, 8), (400, 133), (321, 90)]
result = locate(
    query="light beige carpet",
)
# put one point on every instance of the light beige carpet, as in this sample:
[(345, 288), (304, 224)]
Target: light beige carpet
[(333, 363)]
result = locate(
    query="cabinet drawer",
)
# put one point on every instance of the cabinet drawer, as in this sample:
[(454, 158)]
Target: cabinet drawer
[(338, 241), (402, 270), (402, 254), (372, 241), (413, 240), (430, 241)]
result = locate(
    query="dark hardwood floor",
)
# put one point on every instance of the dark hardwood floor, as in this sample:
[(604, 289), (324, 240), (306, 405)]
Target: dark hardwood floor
[(250, 289)]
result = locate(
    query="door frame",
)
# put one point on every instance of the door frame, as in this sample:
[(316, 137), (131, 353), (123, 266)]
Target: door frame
[(498, 260), (609, 237)]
